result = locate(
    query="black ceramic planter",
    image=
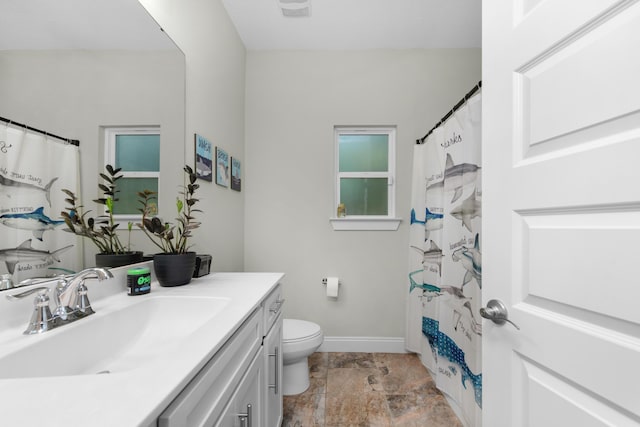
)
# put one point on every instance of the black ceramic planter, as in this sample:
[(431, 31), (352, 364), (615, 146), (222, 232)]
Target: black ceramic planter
[(174, 269), (118, 260)]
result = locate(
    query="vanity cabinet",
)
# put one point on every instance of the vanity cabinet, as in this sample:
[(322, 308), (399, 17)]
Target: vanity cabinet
[(272, 346), (241, 386)]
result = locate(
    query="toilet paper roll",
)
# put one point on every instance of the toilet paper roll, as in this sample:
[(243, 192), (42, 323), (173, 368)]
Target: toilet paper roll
[(332, 287)]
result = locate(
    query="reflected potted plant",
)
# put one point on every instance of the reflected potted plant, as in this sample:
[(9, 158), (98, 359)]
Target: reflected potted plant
[(175, 264), (101, 229)]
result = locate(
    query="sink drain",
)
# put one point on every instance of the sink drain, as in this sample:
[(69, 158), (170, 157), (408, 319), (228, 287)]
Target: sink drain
[(106, 371)]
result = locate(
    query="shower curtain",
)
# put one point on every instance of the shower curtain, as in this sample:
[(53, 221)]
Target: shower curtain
[(33, 171), (445, 266)]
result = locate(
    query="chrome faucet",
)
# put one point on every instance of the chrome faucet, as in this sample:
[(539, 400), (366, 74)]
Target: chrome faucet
[(72, 302), (71, 293)]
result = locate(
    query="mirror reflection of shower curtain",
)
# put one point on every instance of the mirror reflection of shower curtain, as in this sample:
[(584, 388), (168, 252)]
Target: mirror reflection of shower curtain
[(445, 266), (33, 171)]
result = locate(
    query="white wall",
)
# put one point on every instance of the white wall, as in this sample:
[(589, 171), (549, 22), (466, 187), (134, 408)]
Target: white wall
[(293, 100), (215, 81), (73, 93)]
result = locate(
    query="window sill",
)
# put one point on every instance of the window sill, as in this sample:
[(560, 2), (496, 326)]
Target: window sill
[(365, 224)]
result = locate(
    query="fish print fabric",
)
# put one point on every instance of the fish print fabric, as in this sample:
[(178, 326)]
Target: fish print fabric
[(33, 171), (445, 257)]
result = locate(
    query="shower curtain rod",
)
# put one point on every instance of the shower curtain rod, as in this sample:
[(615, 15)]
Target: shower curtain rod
[(453, 110), (67, 140)]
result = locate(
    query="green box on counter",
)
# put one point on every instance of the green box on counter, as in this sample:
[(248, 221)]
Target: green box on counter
[(138, 281)]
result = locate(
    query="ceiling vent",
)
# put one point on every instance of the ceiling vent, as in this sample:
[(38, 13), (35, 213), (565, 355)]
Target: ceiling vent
[(295, 8)]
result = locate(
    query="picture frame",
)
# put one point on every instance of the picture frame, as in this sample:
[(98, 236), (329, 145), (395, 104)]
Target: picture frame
[(236, 174), (222, 167), (203, 158)]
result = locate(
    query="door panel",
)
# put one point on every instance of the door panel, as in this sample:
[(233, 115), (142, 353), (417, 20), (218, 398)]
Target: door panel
[(574, 272), (564, 79), (545, 390), (552, 22), (561, 205), (581, 353)]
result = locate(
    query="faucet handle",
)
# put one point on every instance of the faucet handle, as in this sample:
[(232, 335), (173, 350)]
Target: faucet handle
[(83, 306), (20, 295), (41, 319), (6, 282), (39, 280)]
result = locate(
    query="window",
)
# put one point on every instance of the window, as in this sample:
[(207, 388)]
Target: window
[(365, 178), (137, 152)]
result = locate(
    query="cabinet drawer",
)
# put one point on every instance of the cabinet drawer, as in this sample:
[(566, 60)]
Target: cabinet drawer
[(206, 395), (272, 307)]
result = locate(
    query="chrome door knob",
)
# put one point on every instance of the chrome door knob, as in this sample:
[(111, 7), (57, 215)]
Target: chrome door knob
[(496, 311)]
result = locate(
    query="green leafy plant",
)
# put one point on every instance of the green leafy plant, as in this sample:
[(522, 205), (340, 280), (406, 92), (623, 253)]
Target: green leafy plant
[(101, 229), (171, 238)]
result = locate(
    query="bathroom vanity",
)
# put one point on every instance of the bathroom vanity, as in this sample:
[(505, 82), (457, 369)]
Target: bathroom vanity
[(204, 354), (241, 384)]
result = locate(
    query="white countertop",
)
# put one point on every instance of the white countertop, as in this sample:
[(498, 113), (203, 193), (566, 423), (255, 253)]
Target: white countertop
[(138, 396)]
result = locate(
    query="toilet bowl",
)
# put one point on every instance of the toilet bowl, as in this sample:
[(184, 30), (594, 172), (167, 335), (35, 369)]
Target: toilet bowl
[(299, 340)]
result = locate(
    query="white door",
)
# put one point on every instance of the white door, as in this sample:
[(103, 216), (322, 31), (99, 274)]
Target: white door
[(561, 212)]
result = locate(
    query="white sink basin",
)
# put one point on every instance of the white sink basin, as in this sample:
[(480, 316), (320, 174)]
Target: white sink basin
[(112, 341)]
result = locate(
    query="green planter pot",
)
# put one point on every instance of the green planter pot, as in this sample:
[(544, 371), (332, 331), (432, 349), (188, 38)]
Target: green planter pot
[(174, 269), (118, 260)]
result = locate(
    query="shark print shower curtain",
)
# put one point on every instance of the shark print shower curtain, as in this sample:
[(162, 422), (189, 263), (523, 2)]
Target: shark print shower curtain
[(33, 171), (445, 261)]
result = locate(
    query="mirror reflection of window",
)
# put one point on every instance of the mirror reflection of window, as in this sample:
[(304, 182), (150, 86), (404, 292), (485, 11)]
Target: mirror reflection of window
[(137, 152)]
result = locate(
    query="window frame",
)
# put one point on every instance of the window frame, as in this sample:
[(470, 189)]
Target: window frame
[(367, 222), (110, 135)]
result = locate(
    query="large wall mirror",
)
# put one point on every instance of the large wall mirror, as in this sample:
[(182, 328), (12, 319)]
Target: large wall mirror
[(74, 68)]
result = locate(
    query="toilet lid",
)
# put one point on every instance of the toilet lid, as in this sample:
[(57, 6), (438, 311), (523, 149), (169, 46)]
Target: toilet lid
[(295, 330)]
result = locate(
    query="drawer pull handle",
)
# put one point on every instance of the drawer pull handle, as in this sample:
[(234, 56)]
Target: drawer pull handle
[(245, 418), (276, 306), (274, 386)]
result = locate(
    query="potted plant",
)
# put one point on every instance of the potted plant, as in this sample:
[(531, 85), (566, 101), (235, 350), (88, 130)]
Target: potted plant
[(102, 229), (175, 264)]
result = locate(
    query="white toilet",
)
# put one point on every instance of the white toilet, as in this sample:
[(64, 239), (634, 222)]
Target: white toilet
[(299, 340)]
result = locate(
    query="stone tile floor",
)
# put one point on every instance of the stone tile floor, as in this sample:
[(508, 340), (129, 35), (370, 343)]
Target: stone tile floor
[(368, 390)]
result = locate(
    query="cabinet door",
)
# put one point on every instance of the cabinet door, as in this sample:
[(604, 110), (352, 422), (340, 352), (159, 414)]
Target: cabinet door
[(204, 399), (245, 407), (272, 388)]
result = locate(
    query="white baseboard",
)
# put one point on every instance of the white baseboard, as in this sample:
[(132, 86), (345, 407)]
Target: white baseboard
[(363, 345)]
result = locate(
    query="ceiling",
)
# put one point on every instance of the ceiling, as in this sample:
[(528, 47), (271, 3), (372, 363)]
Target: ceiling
[(333, 24), (359, 24), (79, 24)]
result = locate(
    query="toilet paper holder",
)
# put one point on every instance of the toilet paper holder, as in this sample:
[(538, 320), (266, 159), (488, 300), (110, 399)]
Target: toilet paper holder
[(332, 284)]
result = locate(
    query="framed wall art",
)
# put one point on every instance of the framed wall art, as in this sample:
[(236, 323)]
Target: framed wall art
[(236, 174), (204, 160), (222, 167)]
